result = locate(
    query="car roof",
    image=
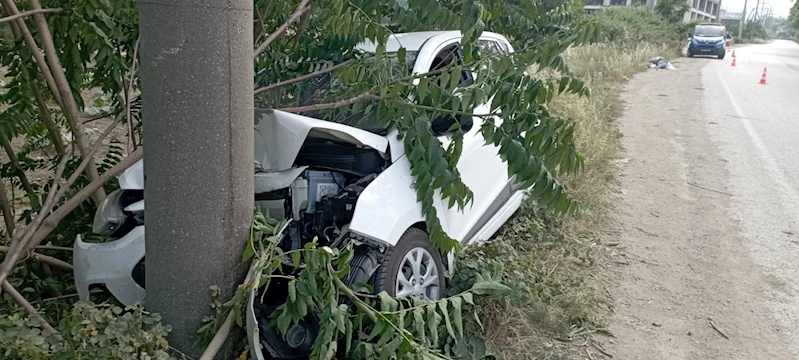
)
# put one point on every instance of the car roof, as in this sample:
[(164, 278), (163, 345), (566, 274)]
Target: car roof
[(414, 41), (710, 24)]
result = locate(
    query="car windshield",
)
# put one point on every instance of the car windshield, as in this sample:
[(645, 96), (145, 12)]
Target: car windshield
[(316, 90), (709, 31)]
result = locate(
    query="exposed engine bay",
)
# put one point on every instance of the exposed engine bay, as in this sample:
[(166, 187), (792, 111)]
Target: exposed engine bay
[(321, 200)]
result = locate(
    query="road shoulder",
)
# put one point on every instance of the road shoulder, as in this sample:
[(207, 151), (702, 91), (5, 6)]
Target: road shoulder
[(687, 288)]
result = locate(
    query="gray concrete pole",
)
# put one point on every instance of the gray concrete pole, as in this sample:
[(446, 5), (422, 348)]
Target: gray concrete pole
[(742, 23), (197, 83)]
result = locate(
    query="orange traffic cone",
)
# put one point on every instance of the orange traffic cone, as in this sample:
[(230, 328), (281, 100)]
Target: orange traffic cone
[(763, 77), (733, 61), (733, 53)]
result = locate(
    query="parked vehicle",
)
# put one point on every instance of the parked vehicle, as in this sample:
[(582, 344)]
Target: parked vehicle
[(337, 183), (709, 39)]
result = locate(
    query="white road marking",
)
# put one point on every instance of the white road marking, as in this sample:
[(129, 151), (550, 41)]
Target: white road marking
[(770, 164)]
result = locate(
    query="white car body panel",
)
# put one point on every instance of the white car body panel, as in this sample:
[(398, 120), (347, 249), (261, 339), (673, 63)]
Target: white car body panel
[(279, 136), (135, 207), (133, 177), (110, 263), (388, 206)]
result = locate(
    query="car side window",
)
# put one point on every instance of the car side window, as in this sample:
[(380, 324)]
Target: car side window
[(447, 56), (491, 47)]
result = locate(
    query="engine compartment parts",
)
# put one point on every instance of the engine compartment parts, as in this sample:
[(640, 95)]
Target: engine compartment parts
[(111, 219), (345, 158)]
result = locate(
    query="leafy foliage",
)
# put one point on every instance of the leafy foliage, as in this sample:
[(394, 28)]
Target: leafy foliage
[(90, 331), (355, 324), (379, 87), (632, 25), (672, 10)]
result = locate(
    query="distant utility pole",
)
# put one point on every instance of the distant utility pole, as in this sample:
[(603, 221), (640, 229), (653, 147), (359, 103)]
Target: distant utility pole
[(197, 83), (743, 22)]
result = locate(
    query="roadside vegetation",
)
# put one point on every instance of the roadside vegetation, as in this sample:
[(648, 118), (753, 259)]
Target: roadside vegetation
[(558, 267), (534, 292)]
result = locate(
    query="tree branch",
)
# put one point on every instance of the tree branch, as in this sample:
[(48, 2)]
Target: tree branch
[(45, 259), (12, 157), (68, 103), (52, 247), (28, 13), (85, 162), (224, 330), (5, 207), (47, 119), (367, 95), (11, 9), (50, 223), (128, 93), (301, 9), (27, 306), (21, 239), (301, 78)]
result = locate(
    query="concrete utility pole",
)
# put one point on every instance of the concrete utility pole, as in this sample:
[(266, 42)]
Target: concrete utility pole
[(197, 83), (742, 23)]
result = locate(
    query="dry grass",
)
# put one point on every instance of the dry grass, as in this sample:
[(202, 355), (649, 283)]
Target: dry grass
[(557, 265)]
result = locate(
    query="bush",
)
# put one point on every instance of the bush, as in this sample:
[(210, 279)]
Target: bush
[(631, 25), (90, 332)]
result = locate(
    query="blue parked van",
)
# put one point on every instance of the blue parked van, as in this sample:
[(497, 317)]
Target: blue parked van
[(709, 39)]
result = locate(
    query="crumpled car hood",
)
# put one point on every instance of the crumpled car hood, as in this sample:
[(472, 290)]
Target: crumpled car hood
[(279, 136)]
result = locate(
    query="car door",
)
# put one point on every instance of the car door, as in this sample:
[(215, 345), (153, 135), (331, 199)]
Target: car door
[(482, 170)]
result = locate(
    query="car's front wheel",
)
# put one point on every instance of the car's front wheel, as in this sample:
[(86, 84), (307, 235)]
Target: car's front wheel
[(411, 268)]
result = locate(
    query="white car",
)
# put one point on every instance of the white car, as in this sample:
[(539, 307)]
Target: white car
[(337, 183)]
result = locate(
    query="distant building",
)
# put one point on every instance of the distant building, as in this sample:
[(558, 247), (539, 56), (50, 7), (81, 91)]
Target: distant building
[(702, 10)]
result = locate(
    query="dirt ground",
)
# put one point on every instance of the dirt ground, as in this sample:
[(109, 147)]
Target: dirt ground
[(687, 286)]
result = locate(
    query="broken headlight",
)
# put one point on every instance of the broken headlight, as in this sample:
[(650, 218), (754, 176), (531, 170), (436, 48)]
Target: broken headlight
[(111, 219)]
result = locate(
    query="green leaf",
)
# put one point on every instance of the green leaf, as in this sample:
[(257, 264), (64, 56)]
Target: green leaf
[(387, 303), (456, 314), (490, 288), (421, 89), (442, 304), (433, 321), (295, 259), (419, 323), (292, 287), (283, 321), (249, 251), (348, 336)]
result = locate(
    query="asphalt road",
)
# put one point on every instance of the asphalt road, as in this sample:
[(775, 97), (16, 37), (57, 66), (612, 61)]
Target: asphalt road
[(707, 216), (757, 128)]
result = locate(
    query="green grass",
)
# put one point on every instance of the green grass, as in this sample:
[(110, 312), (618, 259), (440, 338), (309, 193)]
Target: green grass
[(555, 264)]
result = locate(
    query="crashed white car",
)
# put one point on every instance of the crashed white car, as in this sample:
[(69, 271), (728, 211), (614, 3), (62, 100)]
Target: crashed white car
[(337, 183)]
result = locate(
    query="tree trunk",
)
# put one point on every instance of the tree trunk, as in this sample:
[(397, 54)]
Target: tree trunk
[(69, 105), (47, 119), (197, 82), (6, 144), (5, 206)]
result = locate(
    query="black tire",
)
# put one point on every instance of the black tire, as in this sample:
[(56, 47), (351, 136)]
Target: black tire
[(690, 54), (721, 57), (385, 277)]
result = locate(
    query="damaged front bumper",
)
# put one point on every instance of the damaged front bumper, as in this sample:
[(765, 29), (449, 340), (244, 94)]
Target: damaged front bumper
[(110, 264)]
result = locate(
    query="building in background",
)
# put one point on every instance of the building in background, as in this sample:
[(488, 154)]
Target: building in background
[(702, 10)]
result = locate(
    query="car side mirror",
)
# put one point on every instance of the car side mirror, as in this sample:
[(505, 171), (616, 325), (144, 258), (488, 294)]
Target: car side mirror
[(445, 124), (728, 36)]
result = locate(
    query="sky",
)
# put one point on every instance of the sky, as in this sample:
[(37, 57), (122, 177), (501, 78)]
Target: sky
[(781, 7)]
